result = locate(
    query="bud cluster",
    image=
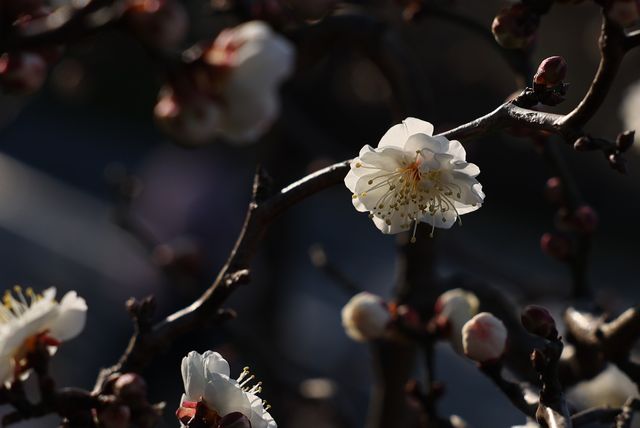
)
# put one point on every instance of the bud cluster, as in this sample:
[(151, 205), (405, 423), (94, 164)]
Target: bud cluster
[(515, 27), (570, 223)]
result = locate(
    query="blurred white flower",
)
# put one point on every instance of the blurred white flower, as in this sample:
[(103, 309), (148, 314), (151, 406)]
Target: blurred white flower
[(230, 88), (610, 388), (453, 309), (28, 319), (414, 177), (630, 110), (257, 60), (208, 386), (484, 338), (365, 317)]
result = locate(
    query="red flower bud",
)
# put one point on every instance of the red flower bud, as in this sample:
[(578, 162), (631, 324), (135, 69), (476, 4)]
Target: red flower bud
[(555, 246), (586, 219), (551, 72), (22, 72), (553, 190), (515, 27), (625, 13), (537, 320)]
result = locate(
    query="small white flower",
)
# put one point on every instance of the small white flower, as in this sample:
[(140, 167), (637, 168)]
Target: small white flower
[(414, 177), (365, 317), (206, 381), (257, 61), (630, 110), (453, 309), (26, 318), (484, 338)]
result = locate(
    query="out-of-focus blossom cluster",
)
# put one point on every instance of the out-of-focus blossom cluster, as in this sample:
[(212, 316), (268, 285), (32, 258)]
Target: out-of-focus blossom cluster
[(230, 87)]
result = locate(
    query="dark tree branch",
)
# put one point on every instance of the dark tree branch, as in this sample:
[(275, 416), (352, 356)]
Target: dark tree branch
[(263, 210)]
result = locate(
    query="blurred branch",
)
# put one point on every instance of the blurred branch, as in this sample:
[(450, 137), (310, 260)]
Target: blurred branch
[(597, 342)]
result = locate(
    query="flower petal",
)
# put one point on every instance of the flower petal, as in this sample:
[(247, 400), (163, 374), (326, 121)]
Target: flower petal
[(397, 136), (397, 225), (72, 314), (422, 142), (215, 363), (224, 395), (193, 376), (441, 220)]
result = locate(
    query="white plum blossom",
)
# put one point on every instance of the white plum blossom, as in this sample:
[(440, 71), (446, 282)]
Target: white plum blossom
[(231, 88), (484, 338), (258, 60), (453, 309), (207, 383), (413, 176), (27, 319), (630, 110), (365, 317)]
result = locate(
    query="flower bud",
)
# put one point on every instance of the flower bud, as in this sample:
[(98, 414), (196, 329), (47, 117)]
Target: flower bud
[(131, 388), (555, 246), (538, 321), (484, 338), (453, 309), (625, 13), (365, 317), (515, 27), (553, 189), (551, 72), (625, 140), (585, 219), (22, 72), (162, 24)]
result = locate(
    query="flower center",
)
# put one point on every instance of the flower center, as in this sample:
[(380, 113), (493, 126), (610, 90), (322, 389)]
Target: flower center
[(16, 304), (411, 193), (245, 381)]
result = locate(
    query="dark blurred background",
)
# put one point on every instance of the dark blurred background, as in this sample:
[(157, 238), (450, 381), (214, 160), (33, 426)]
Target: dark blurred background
[(61, 148)]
